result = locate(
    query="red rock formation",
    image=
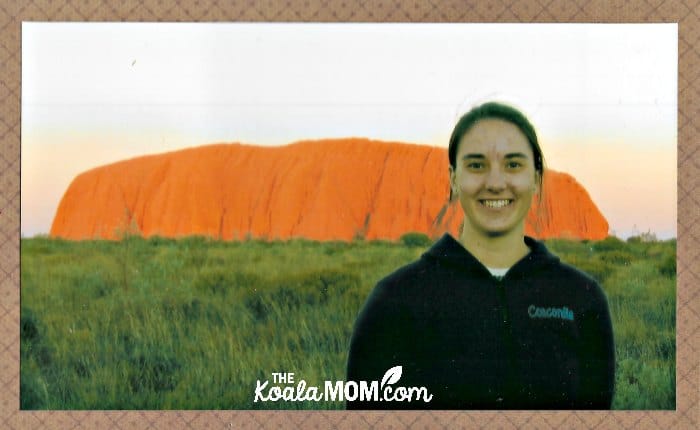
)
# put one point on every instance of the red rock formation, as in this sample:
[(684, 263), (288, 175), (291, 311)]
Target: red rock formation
[(331, 189)]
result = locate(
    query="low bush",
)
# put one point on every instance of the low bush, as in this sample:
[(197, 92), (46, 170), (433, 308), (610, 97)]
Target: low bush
[(415, 239)]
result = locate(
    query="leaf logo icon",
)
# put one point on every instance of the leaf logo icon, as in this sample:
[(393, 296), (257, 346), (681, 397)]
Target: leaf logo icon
[(392, 376)]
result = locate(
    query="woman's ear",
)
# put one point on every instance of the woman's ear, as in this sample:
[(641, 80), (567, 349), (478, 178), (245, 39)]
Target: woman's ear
[(453, 184), (537, 188)]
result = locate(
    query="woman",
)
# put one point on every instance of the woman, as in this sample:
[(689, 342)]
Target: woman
[(491, 320)]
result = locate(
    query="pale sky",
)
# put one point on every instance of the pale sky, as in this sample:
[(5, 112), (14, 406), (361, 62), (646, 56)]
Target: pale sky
[(602, 97)]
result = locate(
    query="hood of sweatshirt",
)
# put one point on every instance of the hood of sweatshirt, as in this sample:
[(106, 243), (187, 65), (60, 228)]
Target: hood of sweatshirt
[(447, 250)]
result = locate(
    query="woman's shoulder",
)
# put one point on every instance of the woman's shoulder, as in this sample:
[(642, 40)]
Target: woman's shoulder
[(574, 274), (578, 283), (549, 265), (413, 273)]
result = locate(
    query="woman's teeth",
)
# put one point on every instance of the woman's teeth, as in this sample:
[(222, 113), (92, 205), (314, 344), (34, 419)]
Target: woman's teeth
[(495, 203)]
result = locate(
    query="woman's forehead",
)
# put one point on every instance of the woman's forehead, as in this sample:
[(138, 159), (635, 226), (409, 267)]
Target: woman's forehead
[(492, 136)]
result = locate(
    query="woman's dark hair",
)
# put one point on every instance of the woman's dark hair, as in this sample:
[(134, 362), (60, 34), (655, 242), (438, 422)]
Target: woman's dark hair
[(498, 111)]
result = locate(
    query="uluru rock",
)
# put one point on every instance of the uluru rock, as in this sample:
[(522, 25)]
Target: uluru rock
[(336, 189)]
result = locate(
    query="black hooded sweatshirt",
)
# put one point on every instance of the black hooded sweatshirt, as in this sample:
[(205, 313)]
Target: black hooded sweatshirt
[(538, 338)]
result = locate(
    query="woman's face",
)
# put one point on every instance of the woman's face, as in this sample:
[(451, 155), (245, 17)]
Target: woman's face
[(494, 178)]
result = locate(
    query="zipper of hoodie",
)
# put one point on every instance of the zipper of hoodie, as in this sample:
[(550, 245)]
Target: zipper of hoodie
[(513, 379)]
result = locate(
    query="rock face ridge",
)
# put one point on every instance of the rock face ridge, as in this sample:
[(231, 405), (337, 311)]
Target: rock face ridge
[(336, 189)]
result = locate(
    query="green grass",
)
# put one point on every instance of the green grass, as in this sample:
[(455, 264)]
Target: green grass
[(193, 323)]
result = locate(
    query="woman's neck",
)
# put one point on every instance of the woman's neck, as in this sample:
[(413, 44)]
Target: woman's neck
[(495, 251)]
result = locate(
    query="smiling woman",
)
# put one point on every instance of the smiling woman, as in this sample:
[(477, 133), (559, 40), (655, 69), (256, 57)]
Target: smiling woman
[(495, 179), (491, 320)]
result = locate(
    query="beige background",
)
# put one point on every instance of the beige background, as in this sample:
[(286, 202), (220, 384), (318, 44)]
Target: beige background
[(684, 12)]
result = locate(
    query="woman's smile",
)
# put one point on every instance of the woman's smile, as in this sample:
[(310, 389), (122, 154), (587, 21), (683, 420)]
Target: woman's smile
[(496, 204)]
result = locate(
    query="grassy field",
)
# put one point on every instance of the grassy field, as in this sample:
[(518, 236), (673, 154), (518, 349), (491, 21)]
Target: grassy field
[(193, 323)]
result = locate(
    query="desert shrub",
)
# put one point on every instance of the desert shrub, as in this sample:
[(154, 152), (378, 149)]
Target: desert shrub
[(333, 248), (153, 370), (597, 268), (257, 305), (43, 245), (415, 239), (316, 286), (301, 290), (220, 280), (195, 254), (33, 393), (81, 366), (201, 308), (382, 242), (28, 326), (191, 309), (639, 385), (33, 342), (36, 353), (667, 265), (564, 247), (610, 243), (194, 241), (97, 282), (617, 257), (160, 241)]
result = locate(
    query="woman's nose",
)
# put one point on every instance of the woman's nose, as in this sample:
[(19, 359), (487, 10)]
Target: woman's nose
[(495, 180)]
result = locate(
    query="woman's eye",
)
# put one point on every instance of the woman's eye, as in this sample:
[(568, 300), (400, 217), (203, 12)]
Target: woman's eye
[(513, 165)]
